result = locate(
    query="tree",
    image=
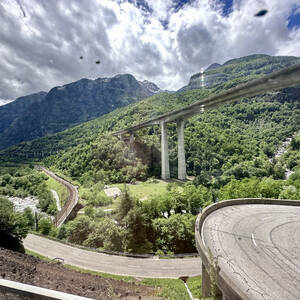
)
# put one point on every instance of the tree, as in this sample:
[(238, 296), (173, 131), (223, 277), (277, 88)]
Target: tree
[(246, 188), (45, 226), (62, 232), (175, 234), (270, 188), (30, 217), (289, 192), (79, 229), (13, 226), (136, 237), (106, 234), (126, 204), (197, 197)]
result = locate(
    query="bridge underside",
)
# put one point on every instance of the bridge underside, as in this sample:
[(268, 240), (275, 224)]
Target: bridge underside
[(165, 163)]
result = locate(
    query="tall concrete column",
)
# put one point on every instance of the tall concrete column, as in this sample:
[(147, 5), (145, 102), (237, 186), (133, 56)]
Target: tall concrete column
[(165, 166), (131, 141), (181, 153), (131, 145)]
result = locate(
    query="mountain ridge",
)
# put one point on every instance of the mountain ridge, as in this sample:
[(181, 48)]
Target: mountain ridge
[(42, 113), (255, 64), (146, 109)]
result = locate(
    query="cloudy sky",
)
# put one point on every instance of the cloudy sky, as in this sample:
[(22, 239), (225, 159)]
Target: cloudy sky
[(45, 43)]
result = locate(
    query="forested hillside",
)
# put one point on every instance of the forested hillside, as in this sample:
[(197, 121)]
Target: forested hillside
[(229, 152), (236, 140), (37, 115)]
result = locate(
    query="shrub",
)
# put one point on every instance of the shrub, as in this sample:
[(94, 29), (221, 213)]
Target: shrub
[(13, 226), (45, 226)]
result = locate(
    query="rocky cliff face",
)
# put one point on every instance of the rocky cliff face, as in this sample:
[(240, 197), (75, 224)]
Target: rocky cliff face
[(43, 113), (150, 86)]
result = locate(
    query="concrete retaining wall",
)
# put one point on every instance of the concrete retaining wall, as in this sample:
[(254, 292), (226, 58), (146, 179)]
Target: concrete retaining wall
[(34, 292), (224, 283)]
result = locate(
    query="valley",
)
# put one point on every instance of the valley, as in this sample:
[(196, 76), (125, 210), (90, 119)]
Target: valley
[(230, 153)]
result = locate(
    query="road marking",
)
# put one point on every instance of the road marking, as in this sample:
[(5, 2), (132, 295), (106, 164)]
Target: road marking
[(253, 240), (202, 234), (133, 266)]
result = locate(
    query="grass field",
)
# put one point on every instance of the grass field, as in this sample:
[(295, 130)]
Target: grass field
[(145, 190), (140, 191)]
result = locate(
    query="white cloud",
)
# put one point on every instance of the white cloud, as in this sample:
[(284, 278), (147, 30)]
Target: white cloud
[(43, 49)]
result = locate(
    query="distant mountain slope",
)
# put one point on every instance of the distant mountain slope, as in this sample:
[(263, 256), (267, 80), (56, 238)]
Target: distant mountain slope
[(37, 115), (86, 133), (11, 112), (238, 70)]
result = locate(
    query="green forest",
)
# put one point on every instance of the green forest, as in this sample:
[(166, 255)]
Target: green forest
[(230, 153)]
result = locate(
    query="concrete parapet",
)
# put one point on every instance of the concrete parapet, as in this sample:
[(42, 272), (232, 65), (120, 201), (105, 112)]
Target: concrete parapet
[(34, 292), (224, 283)]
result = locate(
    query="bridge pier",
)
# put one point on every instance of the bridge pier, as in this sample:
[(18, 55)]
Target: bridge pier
[(165, 166), (181, 152)]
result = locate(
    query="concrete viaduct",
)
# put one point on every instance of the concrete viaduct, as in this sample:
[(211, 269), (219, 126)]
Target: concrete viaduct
[(287, 77)]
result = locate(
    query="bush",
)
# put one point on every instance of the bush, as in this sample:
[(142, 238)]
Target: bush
[(45, 226), (30, 217), (13, 226), (89, 211), (79, 229), (62, 232), (106, 234)]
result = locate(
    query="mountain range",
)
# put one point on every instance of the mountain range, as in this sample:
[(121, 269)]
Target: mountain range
[(84, 100), (40, 114)]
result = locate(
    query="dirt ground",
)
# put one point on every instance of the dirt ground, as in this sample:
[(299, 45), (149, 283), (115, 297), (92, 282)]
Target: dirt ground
[(30, 270)]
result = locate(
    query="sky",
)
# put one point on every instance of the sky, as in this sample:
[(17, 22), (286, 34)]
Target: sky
[(50, 43)]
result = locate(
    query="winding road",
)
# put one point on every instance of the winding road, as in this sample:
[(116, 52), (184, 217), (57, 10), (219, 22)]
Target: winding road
[(258, 248), (100, 262), (120, 265)]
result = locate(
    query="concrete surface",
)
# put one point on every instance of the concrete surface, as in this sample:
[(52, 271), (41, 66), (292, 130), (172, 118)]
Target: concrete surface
[(258, 247), (35, 292), (181, 152), (137, 267), (165, 164)]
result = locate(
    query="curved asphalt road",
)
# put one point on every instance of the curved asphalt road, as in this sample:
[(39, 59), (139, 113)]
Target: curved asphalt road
[(258, 247), (121, 265)]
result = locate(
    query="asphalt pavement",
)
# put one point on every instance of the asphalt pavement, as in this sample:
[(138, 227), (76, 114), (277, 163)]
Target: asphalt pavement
[(113, 264), (258, 248)]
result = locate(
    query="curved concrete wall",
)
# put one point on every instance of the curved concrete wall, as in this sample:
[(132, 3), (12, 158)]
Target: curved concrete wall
[(224, 283), (71, 206)]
